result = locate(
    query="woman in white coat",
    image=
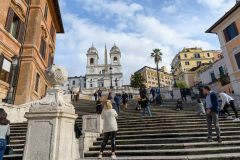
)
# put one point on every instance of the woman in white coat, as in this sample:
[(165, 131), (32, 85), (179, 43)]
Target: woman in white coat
[(109, 116)]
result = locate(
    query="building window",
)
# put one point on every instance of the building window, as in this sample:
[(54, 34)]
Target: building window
[(5, 68), (197, 55), (199, 63), (43, 48), (73, 82), (52, 32), (208, 54), (15, 26), (179, 57), (213, 77), (185, 55), (187, 63), (230, 32), (46, 87), (237, 57), (46, 12), (37, 82), (115, 59), (50, 59), (221, 71), (91, 61)]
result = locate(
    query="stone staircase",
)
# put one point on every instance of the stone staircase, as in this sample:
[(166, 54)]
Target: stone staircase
[(167, 135), (170, 135)]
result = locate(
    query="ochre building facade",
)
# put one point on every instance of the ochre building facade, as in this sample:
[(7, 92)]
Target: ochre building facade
[(27, 45)]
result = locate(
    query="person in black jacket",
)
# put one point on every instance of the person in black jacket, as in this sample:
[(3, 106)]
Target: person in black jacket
[(145, 105), (212, 106)]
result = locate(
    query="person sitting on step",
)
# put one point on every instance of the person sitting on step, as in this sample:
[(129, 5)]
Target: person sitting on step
[(200, 108), (110, 128), (179, 105)]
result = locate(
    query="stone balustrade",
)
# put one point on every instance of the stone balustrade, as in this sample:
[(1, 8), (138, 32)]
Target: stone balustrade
[(92, 126)]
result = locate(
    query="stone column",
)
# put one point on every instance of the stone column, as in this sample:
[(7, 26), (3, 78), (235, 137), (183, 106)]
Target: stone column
[(50, 134)]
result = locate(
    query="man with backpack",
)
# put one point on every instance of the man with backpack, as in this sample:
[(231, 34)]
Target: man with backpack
[(145, 105)]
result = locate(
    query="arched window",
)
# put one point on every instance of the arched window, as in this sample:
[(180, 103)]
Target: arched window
[(91, 85), (115, 59), (91, 61)]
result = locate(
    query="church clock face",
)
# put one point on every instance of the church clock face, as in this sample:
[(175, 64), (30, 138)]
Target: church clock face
[(91, 70)]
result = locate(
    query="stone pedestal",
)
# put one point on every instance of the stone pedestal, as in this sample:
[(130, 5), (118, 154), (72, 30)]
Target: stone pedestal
[(50, 134), (176, 93), (92, 128)]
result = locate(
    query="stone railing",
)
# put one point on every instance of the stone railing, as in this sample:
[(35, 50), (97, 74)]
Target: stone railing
[(15, 113)]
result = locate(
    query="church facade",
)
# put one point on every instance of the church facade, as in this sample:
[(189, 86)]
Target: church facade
[(107, 75)]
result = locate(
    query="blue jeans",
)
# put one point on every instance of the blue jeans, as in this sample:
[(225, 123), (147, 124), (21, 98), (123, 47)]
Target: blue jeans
[(148, 110), (117, 107), (3, 144)]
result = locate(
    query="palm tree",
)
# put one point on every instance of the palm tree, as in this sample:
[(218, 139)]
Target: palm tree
[(157, 55)]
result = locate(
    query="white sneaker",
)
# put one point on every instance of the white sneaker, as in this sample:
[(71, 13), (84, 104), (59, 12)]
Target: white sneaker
[(113, 156), (236, 120), (100, 156), (229, 117)]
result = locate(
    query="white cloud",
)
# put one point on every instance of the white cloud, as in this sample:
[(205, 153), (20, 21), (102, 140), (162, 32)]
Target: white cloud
[(145, 32), (220, 5)]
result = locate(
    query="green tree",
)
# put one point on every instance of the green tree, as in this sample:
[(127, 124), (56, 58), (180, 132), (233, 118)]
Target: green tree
[(181, 84), (137, 80), (157, 55)]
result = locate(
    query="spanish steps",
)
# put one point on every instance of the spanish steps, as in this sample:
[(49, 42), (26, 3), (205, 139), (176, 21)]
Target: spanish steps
[(169, 134)]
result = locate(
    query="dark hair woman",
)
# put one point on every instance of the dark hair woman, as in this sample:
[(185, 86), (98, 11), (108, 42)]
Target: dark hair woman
[(4, 131)]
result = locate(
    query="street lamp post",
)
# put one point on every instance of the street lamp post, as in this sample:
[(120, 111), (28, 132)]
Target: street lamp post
[(111, 85), (11, 87)]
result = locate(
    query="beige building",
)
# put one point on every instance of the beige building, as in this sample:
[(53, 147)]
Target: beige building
[(189, 58), (150, 76), (227, 28), (27, 44)]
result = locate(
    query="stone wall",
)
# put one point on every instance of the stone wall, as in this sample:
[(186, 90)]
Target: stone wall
[(15, 113)]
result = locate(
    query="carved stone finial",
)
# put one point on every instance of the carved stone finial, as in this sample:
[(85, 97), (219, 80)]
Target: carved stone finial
[(56, 75)]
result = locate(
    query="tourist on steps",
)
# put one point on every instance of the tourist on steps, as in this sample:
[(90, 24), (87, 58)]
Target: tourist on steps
[(179, 105), (4, 131), (99, 107), (145, 106), (109, 116), (125, 100), (212, 106), (228, 101), (200, 108), (99, 92), (110, 97), (95, 96), (117, 100)]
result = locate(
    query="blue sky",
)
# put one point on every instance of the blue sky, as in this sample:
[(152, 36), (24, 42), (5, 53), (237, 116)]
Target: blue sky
[(137, 27)]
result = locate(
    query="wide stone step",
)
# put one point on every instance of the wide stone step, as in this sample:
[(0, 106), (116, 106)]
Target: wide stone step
[(219, 156), (169, 130), (172, 152), (143, 135), (168, 146), (150, 140), (13, 157)]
